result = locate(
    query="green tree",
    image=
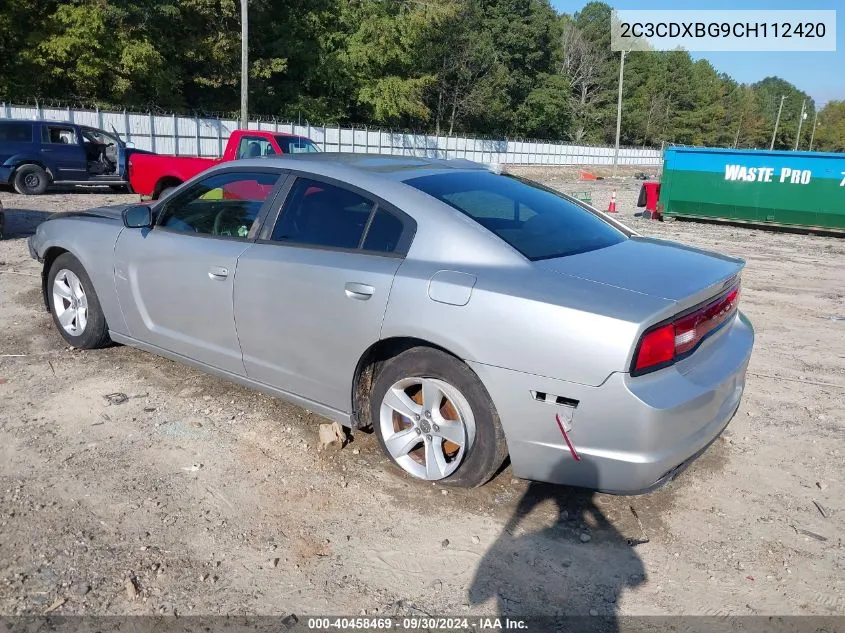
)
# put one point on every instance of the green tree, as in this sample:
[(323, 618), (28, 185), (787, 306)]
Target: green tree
[(769, 91), (830, 134), (545, 113)]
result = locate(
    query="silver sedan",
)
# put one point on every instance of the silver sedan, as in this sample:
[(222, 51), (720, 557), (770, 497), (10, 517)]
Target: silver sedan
[(465, 316)]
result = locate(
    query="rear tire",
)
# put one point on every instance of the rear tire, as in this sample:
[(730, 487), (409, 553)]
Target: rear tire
[(74, 304), (459, 441), (31, 180)]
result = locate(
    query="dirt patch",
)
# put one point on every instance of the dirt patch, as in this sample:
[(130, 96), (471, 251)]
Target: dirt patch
[(214, 499)]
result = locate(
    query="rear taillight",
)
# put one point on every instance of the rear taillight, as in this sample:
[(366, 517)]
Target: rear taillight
[(666, 343)]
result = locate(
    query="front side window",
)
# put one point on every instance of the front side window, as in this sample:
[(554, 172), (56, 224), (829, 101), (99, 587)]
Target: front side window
[(322, 214), (254, 147), (98, 137), (225, 204), (536, 221), (296, 145), (59, 134)]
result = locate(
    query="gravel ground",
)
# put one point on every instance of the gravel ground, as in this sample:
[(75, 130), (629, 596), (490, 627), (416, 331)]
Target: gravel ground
[(196, 496)]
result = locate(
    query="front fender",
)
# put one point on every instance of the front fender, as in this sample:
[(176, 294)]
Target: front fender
[(91, 240)]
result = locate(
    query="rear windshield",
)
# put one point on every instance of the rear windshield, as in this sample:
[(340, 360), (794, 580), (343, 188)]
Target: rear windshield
[(536, 221)]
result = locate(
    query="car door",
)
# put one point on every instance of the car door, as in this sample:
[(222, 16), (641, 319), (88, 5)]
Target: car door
[(175, 281), (63, 152), (310, 295)]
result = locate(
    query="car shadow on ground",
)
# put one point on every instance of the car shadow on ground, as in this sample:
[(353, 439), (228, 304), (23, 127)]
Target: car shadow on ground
[(558, 555), (23, 222)]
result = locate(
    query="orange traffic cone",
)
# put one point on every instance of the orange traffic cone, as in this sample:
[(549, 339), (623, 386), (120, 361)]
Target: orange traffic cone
[(611, 208)]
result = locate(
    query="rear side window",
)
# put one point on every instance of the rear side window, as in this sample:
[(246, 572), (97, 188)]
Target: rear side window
[(58, 134), (15, 132), (384, 233), (534, 220), (321, 214)]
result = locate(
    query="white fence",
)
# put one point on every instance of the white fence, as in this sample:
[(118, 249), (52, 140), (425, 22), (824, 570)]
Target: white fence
[(193, 136)]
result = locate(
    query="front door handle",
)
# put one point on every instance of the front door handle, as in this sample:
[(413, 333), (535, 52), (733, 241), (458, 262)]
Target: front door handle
[(362, 292), (218, 273)]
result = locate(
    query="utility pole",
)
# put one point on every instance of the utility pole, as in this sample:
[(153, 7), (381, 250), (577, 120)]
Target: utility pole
[(813, 133), (738, 128), (777, 122), (244, 65), (801, 118), (618, 113)]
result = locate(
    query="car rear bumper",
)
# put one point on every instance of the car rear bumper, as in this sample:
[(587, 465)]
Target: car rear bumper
[(630, 434)]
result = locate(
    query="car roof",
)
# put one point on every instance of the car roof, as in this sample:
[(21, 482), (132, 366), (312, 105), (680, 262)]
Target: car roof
[(398, 168), (36, 121)]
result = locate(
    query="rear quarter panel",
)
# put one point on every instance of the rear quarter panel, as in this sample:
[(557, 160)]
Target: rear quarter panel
[(91, 240), (522, 319)]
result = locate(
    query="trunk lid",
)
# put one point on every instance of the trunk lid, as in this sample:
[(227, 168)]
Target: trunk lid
[(659, 268)]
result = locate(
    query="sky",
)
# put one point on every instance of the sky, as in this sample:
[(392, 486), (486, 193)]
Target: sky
[(821, 75)]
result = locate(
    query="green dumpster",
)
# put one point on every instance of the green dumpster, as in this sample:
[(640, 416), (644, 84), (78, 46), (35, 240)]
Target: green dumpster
[(793, 189)]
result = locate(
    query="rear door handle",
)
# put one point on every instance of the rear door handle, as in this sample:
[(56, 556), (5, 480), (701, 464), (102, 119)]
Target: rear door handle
[(362, 292), (218, 273)]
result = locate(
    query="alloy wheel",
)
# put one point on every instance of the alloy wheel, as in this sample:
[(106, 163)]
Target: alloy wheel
[(427, 426), (70, 302)]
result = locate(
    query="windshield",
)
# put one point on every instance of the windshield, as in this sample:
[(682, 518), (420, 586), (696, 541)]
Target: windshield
[(296, 144), (536, 221)]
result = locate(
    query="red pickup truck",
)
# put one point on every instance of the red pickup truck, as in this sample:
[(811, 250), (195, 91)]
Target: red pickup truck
[(153, 175)]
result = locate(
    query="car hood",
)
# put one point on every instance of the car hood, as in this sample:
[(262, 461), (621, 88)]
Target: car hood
[(658, 268), (112, 212)]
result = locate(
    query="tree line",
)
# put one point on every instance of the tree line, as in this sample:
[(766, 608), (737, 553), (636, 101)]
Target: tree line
[(484, 67)]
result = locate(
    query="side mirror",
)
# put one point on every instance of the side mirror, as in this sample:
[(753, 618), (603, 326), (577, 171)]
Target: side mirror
[(138, 217)]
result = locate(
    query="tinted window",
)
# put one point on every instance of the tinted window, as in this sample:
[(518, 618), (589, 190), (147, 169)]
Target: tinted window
[(384, 233), (536, 221), (224, 204), (296, 144), (16, 132), (323, 215), (254, 147)]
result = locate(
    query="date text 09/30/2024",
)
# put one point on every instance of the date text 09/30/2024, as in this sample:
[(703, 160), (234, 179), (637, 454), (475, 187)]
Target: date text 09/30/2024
[(418, 624)]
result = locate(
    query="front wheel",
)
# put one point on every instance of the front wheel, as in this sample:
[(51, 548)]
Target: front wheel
[(74, 304), (434, 419)]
